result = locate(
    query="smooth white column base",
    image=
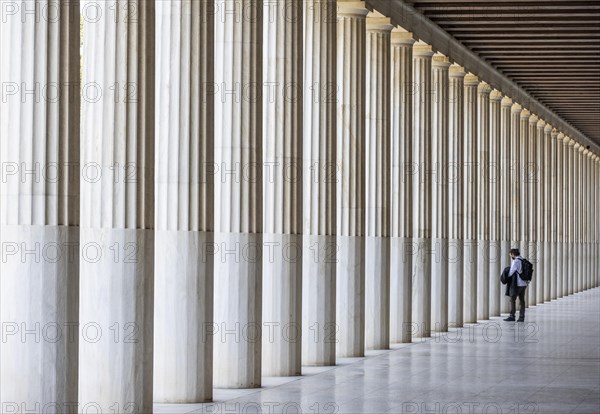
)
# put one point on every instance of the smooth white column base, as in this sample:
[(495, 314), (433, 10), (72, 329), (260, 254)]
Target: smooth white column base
[(530, 251), (470, 281), (546, 293), (455, 283), (116, 320), (318, 300), (183, 321), (282, 305), (402, 252), (421, 288), (377, 298), (483, 280), (496, 259), (505, 262), (571, 257), (238, 299), (439, 285), (350, 296), (565, 269), (39, 311), (555, 264)]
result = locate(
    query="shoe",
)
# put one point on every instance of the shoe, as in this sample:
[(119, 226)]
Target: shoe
[(520, 320), (509, 319)]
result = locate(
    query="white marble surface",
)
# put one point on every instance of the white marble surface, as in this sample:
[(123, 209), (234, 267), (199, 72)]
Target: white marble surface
[(556, 354)]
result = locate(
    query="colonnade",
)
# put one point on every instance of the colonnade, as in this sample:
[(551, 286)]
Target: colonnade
[(252, 187)]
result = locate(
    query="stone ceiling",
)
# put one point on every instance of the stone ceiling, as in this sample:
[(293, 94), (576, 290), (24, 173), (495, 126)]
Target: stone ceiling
[(550, 48)]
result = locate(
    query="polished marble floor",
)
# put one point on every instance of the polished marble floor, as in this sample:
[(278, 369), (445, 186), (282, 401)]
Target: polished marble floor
[(550, 364)]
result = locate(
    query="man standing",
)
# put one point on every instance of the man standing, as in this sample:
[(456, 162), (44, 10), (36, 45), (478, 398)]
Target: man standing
[(517, 286)]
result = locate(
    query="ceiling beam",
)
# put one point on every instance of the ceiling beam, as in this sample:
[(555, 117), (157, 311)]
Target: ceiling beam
[(413, 21)]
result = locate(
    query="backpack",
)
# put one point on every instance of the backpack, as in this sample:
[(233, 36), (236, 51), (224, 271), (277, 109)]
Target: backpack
[(527, 268)]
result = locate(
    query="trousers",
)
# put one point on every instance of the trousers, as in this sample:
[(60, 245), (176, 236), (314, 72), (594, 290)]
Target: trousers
[(513, 302)]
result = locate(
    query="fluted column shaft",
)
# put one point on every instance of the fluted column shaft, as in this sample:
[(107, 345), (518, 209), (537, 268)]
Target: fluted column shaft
[(423, 185), (577, 219), (516, 157), (524, 194), (585, 180), (378, 183), (350, 291), (570, 196), (470, 182), (494, 174), (483, 200), (117, 210), (596, 225), (563, 142), (551, 211), (539, 230), (532, 174), (184, 198), (506, 183), (547, 208), (319, 195), (401, 257), (282, 188), (238, 193), (455, 195), (39, 217), (439, 225), (557, 213)]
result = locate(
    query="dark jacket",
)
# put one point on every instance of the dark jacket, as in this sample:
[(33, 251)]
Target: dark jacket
[(506, 279), (510, 282)]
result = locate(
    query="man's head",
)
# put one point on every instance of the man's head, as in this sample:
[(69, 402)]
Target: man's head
[(514, 253)]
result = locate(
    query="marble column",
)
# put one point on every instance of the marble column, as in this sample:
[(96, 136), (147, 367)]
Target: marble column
[(596, 221), (378, 183), (423, 185), (439, 225), (506, 183), (546, 162), (282, 188), (553, 219), (516, 158), (584, 219), (524, 230), (39, 224), (563, 159), (590, 219), (401, 257), (494, 174), (319, 204), (470, 200), (532, 177), (455, 195), (238, 203), (569, 195), (539, 230), (577, 218), (350, 290), (183, 295), (573, 183), (483, 200), (117, 210)]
